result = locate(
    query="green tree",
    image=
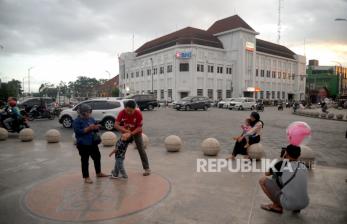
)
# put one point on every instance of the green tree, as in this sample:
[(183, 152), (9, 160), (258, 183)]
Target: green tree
[(115, 92), (11, 88)]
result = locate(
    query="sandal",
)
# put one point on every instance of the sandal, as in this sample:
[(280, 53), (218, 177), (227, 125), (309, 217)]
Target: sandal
[(88, 180), (102, 175), (271, 208)]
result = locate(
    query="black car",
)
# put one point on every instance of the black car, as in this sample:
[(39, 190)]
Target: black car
[(193, 103), (27, 104), (145, 101)]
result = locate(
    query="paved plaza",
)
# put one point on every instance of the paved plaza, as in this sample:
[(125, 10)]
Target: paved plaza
[(41, 183)]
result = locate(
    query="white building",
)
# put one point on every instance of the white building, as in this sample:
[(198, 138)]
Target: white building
[(224, 61)]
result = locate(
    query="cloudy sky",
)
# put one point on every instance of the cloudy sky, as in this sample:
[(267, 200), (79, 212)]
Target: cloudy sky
[(63, 39)]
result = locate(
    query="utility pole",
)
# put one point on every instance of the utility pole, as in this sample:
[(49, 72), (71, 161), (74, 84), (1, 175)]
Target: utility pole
[(279, 22)]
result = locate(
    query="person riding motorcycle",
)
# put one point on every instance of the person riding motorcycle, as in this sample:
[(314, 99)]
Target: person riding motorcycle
[(14, 113)]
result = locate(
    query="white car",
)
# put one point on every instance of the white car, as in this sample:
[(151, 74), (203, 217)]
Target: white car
[(222, 103), (242, 103), (104, 111)]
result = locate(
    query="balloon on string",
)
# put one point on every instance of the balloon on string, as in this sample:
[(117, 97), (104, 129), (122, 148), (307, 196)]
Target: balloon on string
[(298, 133)]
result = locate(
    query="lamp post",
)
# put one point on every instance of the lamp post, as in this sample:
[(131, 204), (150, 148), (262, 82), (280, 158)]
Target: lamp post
[(29, 79), (340, 78)]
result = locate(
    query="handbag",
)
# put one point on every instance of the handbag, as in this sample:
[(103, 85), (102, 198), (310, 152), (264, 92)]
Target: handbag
[(96, 138)]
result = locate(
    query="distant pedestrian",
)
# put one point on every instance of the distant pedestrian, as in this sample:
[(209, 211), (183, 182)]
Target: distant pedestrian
[(129, 123), (86, 129)]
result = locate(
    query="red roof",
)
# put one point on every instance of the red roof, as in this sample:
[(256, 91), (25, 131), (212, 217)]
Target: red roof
[(229, 23), (188, 35), (275, 49)]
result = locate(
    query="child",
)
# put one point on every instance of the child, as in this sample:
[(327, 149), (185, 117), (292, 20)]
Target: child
[(245, 128), (119, 151)]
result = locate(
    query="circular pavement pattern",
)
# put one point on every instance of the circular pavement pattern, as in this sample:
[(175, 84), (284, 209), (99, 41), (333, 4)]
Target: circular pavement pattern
[(67, 198)]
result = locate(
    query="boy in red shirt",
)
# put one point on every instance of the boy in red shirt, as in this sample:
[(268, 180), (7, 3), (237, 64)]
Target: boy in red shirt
[(131, 129)]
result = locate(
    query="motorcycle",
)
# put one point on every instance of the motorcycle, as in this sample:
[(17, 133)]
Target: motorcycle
[(295, 107), (37, 112), (259, 107), (280, 106), (18, 124)]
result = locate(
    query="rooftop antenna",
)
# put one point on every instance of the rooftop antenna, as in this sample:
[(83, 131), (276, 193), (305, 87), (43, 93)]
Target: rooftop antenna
[(133, 39), (279, 22)]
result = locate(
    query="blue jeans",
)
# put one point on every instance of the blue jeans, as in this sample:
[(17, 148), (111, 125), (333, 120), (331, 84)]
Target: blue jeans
[(119, 167)]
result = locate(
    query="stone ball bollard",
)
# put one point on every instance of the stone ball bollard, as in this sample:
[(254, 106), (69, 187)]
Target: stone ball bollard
[(339, 116), (53, 136), (256, 151), (323, 115), (307, 156), (108, 138), (210, 147), (331, 116), (173, 143), (26, 135), (145, 140), (3, 134)]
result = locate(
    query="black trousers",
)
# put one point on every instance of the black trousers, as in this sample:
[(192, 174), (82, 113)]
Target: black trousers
[(93, 151), (239, 147)]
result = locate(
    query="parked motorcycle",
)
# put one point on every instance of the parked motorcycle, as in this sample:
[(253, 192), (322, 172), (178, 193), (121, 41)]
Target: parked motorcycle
[(280, 106), (18, 124), (37, 112), (259, 107)]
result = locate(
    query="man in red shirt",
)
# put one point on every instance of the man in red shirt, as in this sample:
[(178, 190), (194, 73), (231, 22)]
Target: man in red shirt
[(129, 123)]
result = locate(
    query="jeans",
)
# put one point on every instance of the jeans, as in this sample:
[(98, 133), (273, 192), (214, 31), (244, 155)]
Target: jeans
[(119, 167), (143, 155), (93, 151), (7, 122)]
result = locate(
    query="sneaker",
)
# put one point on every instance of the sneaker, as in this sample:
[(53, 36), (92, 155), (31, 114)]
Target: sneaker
[(114, 177), (147, 172), (124, 176)]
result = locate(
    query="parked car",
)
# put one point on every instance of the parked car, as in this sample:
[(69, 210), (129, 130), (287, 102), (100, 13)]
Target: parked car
[(242, 103), (193, 103), (223, 102), (27, 104), (104, 111), (145, 101)]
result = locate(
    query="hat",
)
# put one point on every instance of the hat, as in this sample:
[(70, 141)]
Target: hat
[(85, 108)]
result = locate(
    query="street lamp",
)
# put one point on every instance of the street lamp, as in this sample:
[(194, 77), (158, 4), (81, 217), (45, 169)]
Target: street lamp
[(29, 79)]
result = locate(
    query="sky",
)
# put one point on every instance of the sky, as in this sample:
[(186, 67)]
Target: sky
[(63, 39)]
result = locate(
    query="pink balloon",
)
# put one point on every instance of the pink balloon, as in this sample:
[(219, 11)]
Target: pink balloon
[(297, 132)]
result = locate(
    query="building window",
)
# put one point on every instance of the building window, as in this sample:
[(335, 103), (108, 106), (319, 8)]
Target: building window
[(155, 93), (200, 68), (210, 93), (267, 94), (268, 74), (302, 77), (155, 71), (284, 75), (256, 72), (132, 75), (273, 74), (184, 67), (229, 70), (283, 95), (219, 94), (127, 75), (262, 73), (137, 74), (162, 93), (261, 94), (199, 92), (169, 68), (149, 91), (148, 72), (142, 73), (169, 94), (161, 70), (210, 68), (228, 93), (273, 94), (278, 95), (219, 70), (279, 75), (293, 76)]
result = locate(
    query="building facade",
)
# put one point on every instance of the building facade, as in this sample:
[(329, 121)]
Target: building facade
[(222, 62)]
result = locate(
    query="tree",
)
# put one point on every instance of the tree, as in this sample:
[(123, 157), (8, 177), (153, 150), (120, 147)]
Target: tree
[(115, 92), (11, 88), (85, 86)]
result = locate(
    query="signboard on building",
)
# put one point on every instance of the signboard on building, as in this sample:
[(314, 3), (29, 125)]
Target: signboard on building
[(184, 54), (249, 46)]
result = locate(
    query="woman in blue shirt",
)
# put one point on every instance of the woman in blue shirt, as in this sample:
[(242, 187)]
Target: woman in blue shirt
[(85, 128)]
